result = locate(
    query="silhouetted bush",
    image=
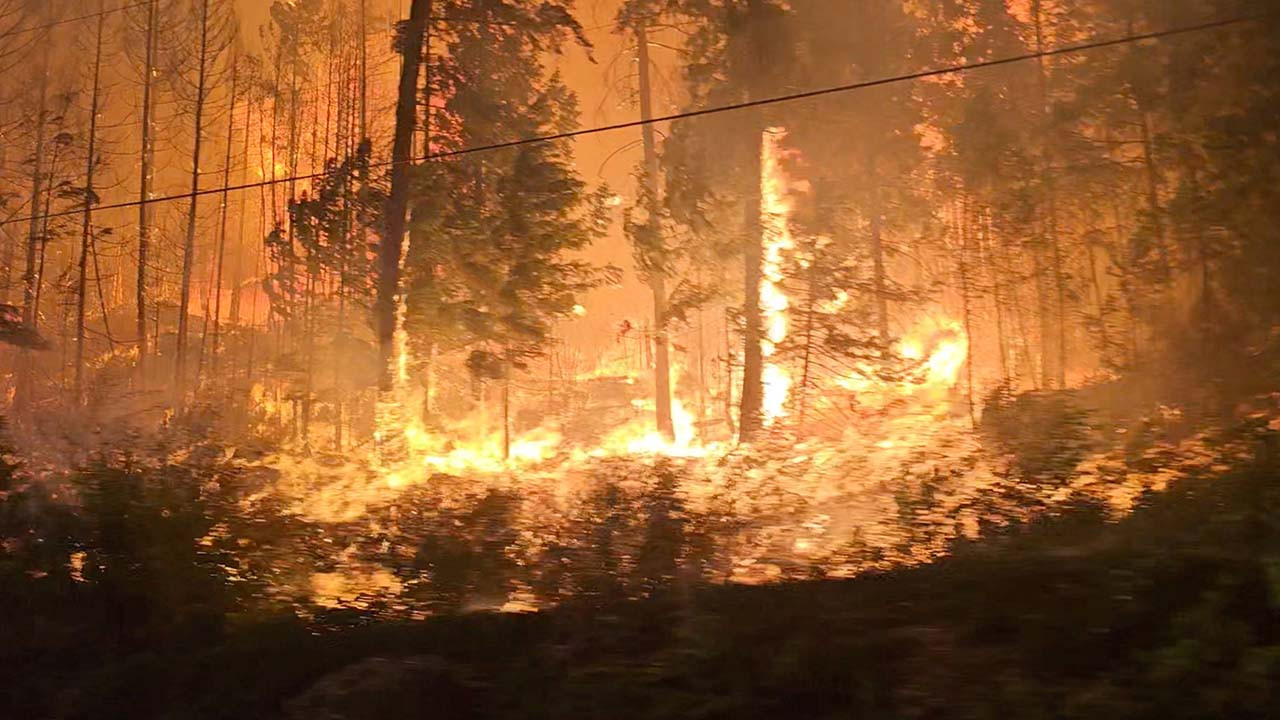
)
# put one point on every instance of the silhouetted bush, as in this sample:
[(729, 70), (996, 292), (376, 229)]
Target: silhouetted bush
[(1045, 433)]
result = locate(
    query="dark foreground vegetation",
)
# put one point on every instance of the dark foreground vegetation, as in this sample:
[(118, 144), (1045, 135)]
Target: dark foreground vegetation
[(1171, 612)]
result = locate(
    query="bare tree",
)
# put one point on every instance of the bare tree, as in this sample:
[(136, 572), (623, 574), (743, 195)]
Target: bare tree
[(90, 198), (30, 282), (215, 29), (220, 260)]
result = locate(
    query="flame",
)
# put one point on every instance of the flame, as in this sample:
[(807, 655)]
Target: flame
[(776, 225), (470, 446), (618, 366), (935, 351), (893, 417), (941, 345), (641, 436)]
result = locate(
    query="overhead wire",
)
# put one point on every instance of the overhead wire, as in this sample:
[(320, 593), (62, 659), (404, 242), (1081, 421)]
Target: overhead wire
[(703, 112)]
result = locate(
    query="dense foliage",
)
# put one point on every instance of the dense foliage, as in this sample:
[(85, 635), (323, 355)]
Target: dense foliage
[(1171, 612)]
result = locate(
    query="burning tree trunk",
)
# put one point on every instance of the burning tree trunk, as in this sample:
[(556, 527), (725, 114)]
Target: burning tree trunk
[(506, 406), (392, 245), (86, 227), (750, 412), (656, 269)]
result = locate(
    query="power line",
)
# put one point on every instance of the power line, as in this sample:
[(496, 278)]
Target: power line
[(775, 100), (936, 72), (502, 23)]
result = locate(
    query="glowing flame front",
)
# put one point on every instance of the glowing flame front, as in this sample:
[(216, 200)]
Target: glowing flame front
[(775, 222)]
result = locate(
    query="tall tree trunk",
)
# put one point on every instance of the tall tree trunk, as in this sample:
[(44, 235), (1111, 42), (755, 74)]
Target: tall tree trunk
[(1204, 253), (35, 246), (392, 245), (189, 247), (962, 227), (349, 143), (750, 411), (46, 234), (144, 190), (1100, 300), (313, 271), (86, 226), (1152, 175), (506, 408), (260, 257), (222, 233), (806, 363), (702, 367), (879, 275), (364, 69), (728, 377), (995, 269), (237, 275), (657, 270), (1051, 222), (10, 242), (1044, 316)]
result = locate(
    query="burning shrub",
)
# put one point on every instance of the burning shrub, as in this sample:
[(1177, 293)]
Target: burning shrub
[(1045, 434)]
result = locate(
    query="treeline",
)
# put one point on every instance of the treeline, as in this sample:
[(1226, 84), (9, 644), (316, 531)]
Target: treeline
[(210, 203), (1079, 214), (168, 169), (1074, 214)]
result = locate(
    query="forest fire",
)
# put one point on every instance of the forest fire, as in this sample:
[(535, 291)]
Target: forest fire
[(324, 320), (934, 352), (776, 222)]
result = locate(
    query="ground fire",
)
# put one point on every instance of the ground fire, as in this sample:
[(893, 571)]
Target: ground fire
[(639, 358)]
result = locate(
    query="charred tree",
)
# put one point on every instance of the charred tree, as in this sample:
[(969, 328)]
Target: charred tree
[(655, 269), (226, 200), (31, 276), (90, 198), (144, 189), (391, 248), (189, 246)]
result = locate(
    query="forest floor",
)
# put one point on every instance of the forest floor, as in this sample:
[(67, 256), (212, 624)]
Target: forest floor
[(1171, 612), (1125, 563)]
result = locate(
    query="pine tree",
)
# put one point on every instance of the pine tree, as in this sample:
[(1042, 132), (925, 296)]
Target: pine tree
[(738, 51), (647, 236), (490, 269), (864, 145)]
